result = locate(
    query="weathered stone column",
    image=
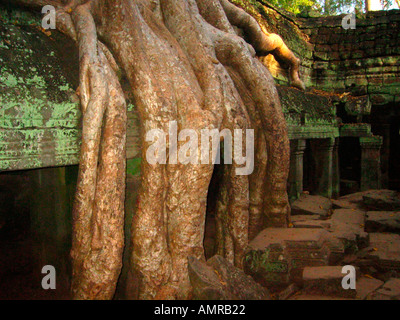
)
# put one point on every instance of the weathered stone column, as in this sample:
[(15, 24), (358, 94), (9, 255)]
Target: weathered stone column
[(371, 162), (323, 155), (335, 170), (383, 129), (297, 148)]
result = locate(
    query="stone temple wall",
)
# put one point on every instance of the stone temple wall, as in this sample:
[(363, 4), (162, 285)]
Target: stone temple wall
[(364, 60), (348, 73), (40, 118), (358, 72), (361, 61)]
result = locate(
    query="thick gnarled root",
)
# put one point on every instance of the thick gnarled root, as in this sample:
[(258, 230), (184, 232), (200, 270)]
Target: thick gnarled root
[(98, 212), (184, 63), (264, 43)]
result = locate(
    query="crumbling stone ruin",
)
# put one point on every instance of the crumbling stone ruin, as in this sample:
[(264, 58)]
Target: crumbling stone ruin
[(344, 162), (350, 114)]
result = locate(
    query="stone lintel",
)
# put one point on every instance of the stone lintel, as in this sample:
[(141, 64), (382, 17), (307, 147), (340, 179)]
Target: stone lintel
[(373, 142)]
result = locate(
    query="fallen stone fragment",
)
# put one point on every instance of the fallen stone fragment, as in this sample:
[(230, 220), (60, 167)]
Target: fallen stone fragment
[(277, 256), (219, 280), (311, 204), (389, 291), (351, 237), (386, 251), (310, 221), (366, 286), (350, 201), (288, 292), (348, 226), (345, 204), (361, 258), (384, 200), (326, 280), (349, 216), (383, 221)]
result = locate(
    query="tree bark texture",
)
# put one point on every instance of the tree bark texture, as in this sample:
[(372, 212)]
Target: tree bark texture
[(185, 63)]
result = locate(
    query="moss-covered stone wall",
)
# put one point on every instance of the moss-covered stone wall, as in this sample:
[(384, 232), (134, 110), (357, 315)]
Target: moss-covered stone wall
[(40, 119), (362, 61), (40, 122)]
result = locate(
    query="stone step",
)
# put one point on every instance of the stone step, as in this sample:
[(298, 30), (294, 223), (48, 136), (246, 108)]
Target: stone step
[(277, 256), (383, 221), (371, 200), (219, 280), (345, 224), (386, 251), (326, 280), (348, 225), (349, 216), (312, 205), (345, 204), (310, 221), (350, 201), (366, 286), (385, 200), (389, 291)]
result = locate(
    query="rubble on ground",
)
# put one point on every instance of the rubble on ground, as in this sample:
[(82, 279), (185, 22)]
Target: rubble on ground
[(389, 291), (386, 250), (385, 200), (310, 221), (366, 286), (382, 221), (277, 256), (326, 280), (217, 279), (305, 261), (311, 205)]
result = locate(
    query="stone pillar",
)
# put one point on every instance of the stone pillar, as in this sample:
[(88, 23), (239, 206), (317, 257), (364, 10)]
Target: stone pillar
[(371, 162), (383, 129), (323, 155), (335, 170), (297, 148)]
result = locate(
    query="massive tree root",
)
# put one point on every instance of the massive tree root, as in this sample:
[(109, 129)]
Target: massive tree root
[(263, 42), (185, 63)]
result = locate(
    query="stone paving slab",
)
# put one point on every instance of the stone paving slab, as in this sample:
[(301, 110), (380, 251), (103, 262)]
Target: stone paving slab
[(277, 256), (310, 221), (383, 221), (348, 225), (312, 205), (345, 204), (386, 250), (366, 286), (349, 216), (385, 200), (219, 280), (326, 280), (389, 291)]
